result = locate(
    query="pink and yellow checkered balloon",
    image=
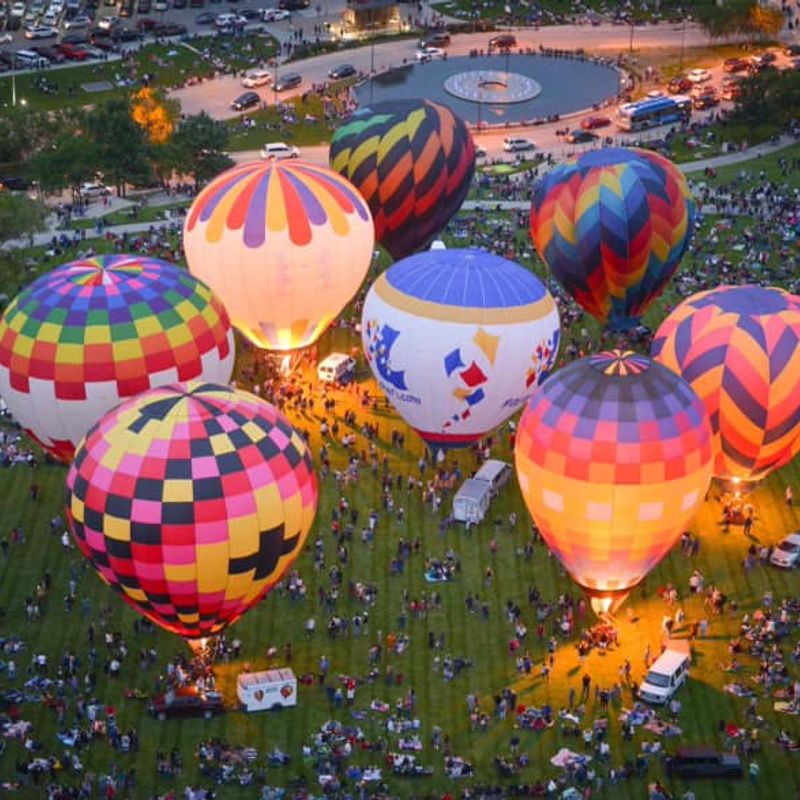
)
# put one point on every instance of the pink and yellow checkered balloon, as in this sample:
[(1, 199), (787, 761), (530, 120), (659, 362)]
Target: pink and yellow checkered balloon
[(613, 456), (191, 501)]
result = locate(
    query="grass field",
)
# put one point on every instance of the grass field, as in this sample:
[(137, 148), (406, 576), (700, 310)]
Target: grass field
[(278, 621)]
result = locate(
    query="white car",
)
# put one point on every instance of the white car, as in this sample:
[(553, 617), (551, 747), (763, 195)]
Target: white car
[(517, 144), (41, 32), (277, 151), (51, 17), (229, 20), (18, 10), (275, 14), (107, 23), (429, 53), (258, 77), (699, 75), (81, 21), (160, 5), (94, 190), (787, 552), (5, 38)]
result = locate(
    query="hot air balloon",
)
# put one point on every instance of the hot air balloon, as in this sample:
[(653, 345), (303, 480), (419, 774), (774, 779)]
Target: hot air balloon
[(613, 456), (739, 348), (93, 332), (612, 226), (285, 244), (413, 161), (458, 340), (191, 501)]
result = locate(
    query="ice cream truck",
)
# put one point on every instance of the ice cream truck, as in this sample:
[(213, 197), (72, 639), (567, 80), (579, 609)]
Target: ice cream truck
[(272, 689)]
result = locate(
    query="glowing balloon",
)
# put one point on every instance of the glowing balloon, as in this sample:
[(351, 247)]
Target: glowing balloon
[(413, 161), (285, 244), (613, 456), (612, 226), (191, 502), (458, 340), (93, 332), (739, 348)]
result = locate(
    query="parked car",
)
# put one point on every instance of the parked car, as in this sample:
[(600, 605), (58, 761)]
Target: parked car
[(13, 183), (205, 18), (275, 14), (503, 41), (787, 551), (593, 122), (81, 21), (228, 20), (342, 71), (764, 58), (94, 189), (144, 6), (41, 32), (169, 29), (516, 144), (258, 77), (17, 10), (107, 23), (699, 75), (75, 37), (122, 34), (186, 702), (290, 80), (6, 37), (704, 762), (249, 14), (245, 101), (160, 5), (732, 91), (734, 65), (428, 54), (126, 8), (179, 4), (73, 52), (705, 101), (50, 52), (680, 84), (580, 137), (277, 151), (438, 39), (792, 50)]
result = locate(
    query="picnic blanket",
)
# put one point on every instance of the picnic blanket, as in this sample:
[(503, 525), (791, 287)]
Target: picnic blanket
[(738, 690), (565, 756)]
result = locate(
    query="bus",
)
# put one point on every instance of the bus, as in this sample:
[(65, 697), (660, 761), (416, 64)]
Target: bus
[(654, 111)]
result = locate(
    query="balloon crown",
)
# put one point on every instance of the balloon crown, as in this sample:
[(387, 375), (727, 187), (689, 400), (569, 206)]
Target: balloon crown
[(620, 363)]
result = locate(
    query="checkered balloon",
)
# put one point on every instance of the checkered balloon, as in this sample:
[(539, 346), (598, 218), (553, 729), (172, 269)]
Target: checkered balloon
[(191, 501), (92, 332), (613, 455)]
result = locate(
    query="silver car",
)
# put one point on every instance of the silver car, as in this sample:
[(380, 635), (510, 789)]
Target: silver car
[(787, 552)]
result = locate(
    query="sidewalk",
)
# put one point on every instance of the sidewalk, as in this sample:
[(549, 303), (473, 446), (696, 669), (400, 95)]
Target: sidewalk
[(96, 209)]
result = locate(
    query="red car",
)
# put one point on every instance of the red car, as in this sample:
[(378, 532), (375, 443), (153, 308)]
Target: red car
[(186, 702), (73, 52), (734, 65), (590, 123), (679, 85)]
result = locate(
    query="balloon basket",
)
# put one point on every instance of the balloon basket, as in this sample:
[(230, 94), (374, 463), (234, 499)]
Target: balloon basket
[(606, 604), (204, 649), (286, 363)]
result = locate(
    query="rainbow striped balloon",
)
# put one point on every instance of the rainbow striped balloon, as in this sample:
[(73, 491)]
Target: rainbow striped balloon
[(413, 161), (739, 348), (612, 226), (285, 244), (93, 332)]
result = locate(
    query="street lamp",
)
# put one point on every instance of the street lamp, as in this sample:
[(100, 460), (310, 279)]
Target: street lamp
[(683, 41), (13, 80), (633, 26), (371, 69)]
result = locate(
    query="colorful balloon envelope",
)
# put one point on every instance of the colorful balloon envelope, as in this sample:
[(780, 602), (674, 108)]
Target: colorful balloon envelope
[(613, 456), (93, 332), (191, 501), (458, 340), (739, 348), (286, 244), (612, 226), (413, 161)]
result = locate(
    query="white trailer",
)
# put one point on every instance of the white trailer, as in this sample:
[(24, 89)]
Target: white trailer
[(272, 689), (471, 501)]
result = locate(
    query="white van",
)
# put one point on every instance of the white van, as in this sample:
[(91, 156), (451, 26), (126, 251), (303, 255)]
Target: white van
[(495, 473), (258, 77), (666, 676), (515, 144), (336, 368), (28, 58), (272, 689), (277, 151), (471, 501)]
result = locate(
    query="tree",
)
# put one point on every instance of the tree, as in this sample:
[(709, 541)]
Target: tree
[(769, 97), (19, 216), (765, 22), (197, 148), (66, 165), (122, 147)]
